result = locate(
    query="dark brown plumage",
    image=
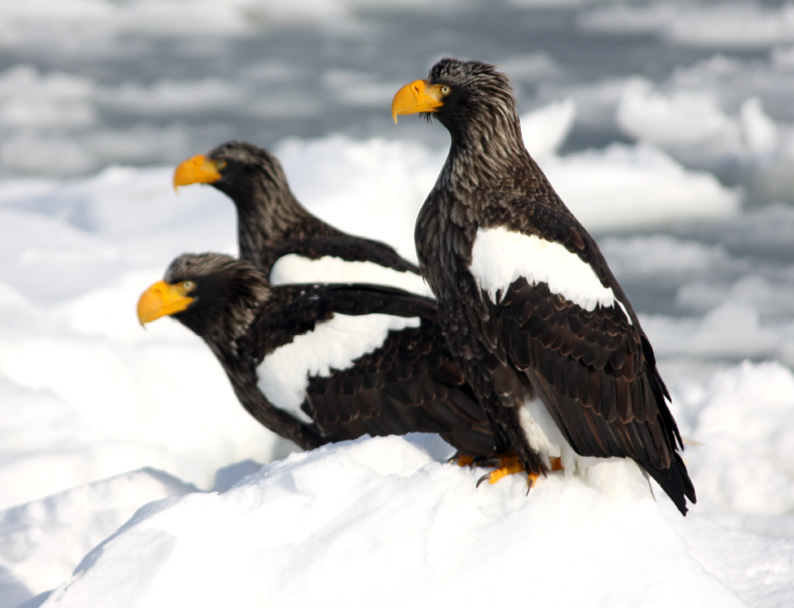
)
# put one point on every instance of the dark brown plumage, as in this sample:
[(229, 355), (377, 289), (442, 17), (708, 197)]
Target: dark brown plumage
[(276, 345), (527, 303), (271, 223)]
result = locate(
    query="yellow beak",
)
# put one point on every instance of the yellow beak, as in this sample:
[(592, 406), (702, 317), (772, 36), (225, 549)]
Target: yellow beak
[(161, 299), (417, 96), (196, 170)]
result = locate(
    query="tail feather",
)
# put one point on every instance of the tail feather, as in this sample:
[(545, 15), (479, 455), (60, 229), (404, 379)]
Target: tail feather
[(675, 481)]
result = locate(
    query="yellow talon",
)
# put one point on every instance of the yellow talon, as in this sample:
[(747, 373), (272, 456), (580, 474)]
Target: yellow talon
[(507, 465), (510, 463)]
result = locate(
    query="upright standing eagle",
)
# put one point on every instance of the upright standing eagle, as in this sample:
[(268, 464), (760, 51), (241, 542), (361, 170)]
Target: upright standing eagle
[(323, 362), (532, 313), (279, 236)]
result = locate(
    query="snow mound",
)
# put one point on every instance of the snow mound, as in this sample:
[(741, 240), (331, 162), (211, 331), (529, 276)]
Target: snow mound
[(43, 539), (633, 186), (304, 530), (684, 119), (692, 124), (336, 177), (546, 128), (740, 417)]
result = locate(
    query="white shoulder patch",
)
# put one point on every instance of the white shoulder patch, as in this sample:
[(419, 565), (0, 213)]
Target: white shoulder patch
[(501, 256), (333, 345), (294, 268)]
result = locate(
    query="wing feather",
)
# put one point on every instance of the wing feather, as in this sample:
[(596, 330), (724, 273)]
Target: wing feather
[(416, 387), (590, 369)]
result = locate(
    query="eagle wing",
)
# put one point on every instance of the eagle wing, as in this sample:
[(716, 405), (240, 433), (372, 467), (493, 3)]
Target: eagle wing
[(408, 383), (564, 321)]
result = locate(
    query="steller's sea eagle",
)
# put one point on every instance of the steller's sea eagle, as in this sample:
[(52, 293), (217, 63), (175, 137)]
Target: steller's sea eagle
[(280, 236), (532, 314), (324, 362)]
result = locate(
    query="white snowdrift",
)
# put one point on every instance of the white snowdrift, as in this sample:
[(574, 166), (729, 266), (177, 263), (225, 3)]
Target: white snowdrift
[(383, 521), (40, 541)]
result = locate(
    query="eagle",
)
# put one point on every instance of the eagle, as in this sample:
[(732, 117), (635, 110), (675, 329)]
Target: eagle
[(280, 236), (532, 314), (324, 362)]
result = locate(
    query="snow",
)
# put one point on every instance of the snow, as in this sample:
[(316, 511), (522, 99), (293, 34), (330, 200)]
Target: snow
[(41, 540), (691, 123), (685, 119), (336, 171), (753, 442), (546, 128), (386, 507), (730, 24), (129, 473), (624, 186)]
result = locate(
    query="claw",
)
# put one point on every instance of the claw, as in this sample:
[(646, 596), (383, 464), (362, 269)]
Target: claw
[(486, 461), (531, 479), (481, 479), (507, 464), (462, 460), (489, 461)]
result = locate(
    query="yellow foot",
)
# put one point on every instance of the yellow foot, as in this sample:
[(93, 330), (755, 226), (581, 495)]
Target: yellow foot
[(508, 464)]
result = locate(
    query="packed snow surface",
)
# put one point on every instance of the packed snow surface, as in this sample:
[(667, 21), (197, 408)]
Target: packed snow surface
[(383, 518)]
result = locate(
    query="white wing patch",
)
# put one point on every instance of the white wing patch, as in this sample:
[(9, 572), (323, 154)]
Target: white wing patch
[(501, 256), (333, 345), (294, 268)]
